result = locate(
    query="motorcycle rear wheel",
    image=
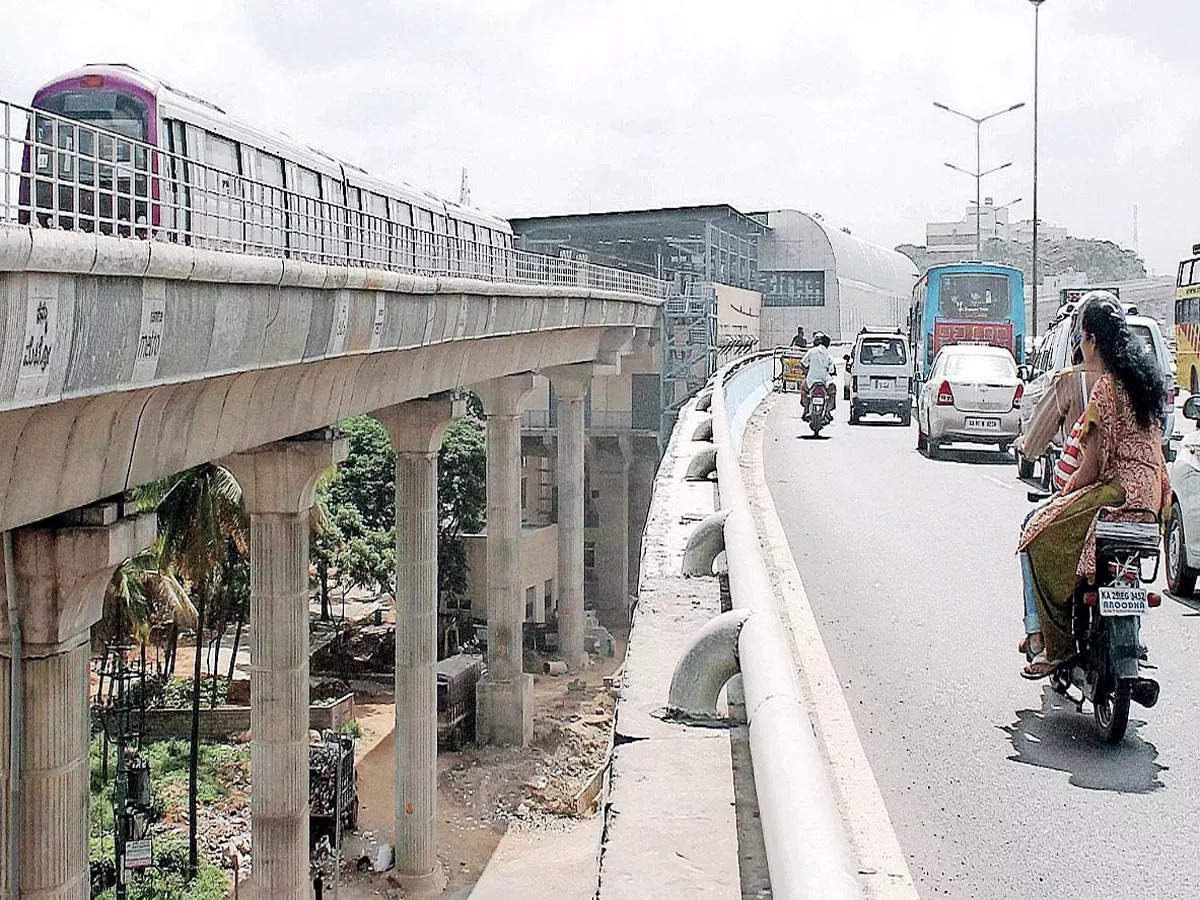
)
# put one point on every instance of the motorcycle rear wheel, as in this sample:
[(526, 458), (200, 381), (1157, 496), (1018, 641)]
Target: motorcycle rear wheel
[(1111, 712)]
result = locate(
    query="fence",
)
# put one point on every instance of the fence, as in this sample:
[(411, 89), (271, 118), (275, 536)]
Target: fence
[(64, 174)]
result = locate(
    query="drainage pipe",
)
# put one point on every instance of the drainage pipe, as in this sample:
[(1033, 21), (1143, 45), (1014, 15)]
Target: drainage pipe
[(14, 722), (808, 852), (710, 660)]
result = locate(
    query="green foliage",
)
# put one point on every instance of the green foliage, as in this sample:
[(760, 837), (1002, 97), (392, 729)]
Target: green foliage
[(176, 692), (356, 539), (167, 879), (366, 480), (221, 768), (351, 729), (462, 499)]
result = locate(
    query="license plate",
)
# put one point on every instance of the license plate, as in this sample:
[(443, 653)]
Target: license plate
[(883, 384), (983, 423), (1123, 601), (818, 402)]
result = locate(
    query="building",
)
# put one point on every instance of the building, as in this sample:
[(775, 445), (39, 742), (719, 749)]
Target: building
[(740, 281), (821, 278), (686, 244), (957, 239)]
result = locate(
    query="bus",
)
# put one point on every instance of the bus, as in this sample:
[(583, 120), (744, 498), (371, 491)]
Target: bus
[(969, 301), (1187, 323)]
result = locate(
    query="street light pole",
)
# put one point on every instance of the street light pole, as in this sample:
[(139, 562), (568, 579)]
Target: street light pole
[(978, 173), (1033, 273), (995, 219)]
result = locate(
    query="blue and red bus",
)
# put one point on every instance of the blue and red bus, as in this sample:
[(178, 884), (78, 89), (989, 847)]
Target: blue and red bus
[(968, 301)]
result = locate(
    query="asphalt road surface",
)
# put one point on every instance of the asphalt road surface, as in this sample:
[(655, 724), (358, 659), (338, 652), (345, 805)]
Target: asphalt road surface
[(996, 786)]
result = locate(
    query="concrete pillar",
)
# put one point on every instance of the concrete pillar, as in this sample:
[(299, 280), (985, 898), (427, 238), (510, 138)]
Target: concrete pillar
[(504, 699), (61, 574), (570, 387), (608, 479), (278, 481), (416, 434)]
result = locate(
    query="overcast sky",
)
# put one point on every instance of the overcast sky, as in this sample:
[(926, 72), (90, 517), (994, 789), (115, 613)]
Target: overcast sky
[(577, 106)]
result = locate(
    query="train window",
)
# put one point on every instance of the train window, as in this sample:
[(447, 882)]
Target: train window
[(424, 219), (439, 224), (378, 206), (270, 169), (307, 183), (111, 110), (401, 212), (467, 231), (220, 153)]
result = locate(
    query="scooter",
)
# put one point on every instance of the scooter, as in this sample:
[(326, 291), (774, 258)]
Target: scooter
[(819, 413), (1106, 621)]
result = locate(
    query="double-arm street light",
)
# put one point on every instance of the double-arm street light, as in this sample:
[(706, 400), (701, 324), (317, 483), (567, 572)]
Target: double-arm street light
[(978, 174), (1037, 4)]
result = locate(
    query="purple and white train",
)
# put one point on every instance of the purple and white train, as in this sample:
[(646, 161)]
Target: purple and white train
[(190, 172)]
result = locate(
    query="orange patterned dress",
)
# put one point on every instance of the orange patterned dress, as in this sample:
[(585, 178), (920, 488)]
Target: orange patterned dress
[(1130, 455)]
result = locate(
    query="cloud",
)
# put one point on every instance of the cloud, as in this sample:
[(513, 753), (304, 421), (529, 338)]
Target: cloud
[(570, 106)]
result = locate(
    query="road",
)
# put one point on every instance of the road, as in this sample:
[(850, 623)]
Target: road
[(996, 790)]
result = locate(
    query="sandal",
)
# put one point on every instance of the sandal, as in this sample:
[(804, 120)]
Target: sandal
[(1030, 647), (1039, 667)]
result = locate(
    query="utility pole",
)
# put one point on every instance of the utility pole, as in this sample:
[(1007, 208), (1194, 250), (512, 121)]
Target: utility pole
[(1034, 268), (978, 174)]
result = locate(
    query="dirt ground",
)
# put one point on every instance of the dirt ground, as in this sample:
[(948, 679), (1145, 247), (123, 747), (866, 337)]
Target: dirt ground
[(482, 789)]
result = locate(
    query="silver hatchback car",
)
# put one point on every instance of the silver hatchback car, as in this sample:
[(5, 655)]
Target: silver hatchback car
[(972, 395)]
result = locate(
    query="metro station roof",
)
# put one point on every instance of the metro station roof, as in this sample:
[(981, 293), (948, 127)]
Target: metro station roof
[(855, 259), (673, 222)]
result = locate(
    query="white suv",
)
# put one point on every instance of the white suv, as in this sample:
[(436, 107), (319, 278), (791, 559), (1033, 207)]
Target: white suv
[(880, 375), (1052, 355)]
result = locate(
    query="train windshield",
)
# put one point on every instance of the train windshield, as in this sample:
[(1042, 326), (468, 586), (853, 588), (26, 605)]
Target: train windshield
[(110, 110), (982, 296)]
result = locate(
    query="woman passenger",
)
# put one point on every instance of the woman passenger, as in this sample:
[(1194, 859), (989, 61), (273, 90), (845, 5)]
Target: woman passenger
[(1059, 408), (1121, 467)]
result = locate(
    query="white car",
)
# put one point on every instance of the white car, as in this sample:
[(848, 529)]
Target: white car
[(1183, 530), (972, 395)]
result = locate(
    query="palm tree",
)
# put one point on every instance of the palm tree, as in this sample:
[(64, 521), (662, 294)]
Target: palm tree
[(142, 592), (200, 518)]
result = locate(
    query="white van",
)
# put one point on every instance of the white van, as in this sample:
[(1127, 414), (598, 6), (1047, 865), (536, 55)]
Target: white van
[(880, 373)]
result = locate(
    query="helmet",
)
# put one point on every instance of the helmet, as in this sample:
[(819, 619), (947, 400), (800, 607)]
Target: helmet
[(1077, 317)]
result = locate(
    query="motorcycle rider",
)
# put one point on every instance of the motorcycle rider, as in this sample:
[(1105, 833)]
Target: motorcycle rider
[(818, 369)]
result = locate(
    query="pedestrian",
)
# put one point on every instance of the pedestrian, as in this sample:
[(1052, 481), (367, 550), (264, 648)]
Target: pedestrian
[(800, 341)]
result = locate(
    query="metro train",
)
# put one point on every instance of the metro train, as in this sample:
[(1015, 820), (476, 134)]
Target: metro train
[(191, 173)]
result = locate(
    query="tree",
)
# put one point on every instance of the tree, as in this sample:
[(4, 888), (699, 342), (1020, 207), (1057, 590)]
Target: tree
[(367, 478), (462, 500), (326, 541), (200, 519)]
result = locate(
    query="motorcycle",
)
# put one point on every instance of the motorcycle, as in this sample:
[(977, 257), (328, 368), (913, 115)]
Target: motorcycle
[(819, 413), (1106, 622)]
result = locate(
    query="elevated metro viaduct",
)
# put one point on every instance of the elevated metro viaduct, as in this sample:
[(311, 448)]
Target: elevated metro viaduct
[(124, 361)]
